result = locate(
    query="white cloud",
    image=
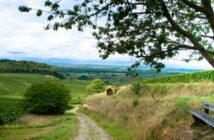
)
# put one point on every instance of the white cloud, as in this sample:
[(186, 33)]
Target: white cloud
[(20, 32)]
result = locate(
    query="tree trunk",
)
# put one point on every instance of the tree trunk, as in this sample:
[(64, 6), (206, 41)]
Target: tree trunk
[(207, 56)]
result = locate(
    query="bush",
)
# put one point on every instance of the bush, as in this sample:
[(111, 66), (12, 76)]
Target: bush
[(135, 103), (136, 87), (47, 98), (8, 116), (96, 86)]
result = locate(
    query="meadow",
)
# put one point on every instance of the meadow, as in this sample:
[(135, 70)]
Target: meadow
[(44, 127)]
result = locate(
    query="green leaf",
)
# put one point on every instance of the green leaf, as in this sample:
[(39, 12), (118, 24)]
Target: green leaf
[(50, 17), (48, 3), (56, 26), (24, 9), (39, 13), (55, 6)]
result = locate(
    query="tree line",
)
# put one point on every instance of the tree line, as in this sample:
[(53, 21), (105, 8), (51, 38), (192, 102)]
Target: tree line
[(13, 66)]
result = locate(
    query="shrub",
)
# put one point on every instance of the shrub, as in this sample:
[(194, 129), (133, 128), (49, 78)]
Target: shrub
[(135, 103), (1, 122), (47, 98), (96, 86), (136, 87), (8, 116)]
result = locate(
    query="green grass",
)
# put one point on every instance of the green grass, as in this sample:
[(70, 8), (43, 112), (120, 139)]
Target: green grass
[(62, 127), (117, 132), (10, 104), (13, 86)]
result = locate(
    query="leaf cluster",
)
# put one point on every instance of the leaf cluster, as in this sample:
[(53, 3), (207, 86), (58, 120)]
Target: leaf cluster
[(47, 98), (150, 31), (96, 86)]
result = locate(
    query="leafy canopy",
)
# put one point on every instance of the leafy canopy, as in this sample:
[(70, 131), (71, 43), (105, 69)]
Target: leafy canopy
[(96, 86), (47, 98), (150, 30)]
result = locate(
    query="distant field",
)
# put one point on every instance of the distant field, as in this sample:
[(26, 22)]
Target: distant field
[(189, 77), (117, 74)]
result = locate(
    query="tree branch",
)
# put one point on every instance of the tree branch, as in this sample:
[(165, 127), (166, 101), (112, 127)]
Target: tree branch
[(209, 13), (193, 6)]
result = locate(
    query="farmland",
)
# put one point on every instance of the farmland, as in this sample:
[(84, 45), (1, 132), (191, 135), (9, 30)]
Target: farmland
[(188, 77), (177, 93), (14, 85), (116, 74), (50, 127)]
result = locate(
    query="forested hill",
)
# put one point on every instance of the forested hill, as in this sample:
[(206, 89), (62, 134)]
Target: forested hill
[(13, 66)]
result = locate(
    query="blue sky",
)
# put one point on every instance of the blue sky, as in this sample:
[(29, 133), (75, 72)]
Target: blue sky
[(23, 35)]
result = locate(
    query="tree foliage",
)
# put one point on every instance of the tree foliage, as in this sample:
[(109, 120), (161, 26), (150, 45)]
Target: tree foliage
[(150, 30), (136, 87), (8, 116), (12, 66), (96, 86), (47, 98)]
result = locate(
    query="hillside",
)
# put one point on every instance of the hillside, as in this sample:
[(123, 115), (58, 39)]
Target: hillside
[(13, 66), (188, 77), (159, 112), (50, 127), (14, 85)]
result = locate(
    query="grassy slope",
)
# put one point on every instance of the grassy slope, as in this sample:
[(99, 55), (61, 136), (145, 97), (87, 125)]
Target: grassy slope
[(163, 117), (189, 77), (61, 127), (12, 87)]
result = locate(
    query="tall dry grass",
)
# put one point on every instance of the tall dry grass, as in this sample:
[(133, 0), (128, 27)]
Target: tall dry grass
[(156, 110)]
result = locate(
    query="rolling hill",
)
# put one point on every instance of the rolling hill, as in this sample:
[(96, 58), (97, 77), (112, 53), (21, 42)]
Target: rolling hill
[(13, 66)]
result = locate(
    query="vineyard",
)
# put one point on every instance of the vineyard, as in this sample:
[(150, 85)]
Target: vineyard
[(186, 78)]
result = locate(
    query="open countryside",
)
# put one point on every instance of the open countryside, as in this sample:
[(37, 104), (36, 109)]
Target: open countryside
[(107, 70), (165, 102)]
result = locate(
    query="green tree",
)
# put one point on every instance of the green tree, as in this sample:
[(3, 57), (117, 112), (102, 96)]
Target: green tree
[(96, 86), (47, 98), (136, 87), (150, 30)]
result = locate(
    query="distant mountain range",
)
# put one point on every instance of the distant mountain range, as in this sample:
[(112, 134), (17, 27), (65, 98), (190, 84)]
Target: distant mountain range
[(61, 62), (71, 62)]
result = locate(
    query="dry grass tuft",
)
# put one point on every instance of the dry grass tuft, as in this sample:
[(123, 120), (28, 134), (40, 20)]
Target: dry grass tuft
[(39, 119)]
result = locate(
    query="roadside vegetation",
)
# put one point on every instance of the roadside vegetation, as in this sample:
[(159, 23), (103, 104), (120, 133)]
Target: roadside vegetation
[(41, 127), (117, 132), (159, 111)]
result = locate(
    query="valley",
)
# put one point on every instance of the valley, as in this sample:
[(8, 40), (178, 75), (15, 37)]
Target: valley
[(159, 110)]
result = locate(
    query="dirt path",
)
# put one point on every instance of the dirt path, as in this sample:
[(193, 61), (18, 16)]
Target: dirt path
[(89, 130)]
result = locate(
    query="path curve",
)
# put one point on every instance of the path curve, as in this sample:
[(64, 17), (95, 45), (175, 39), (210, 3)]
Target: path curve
[(89, 130)]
